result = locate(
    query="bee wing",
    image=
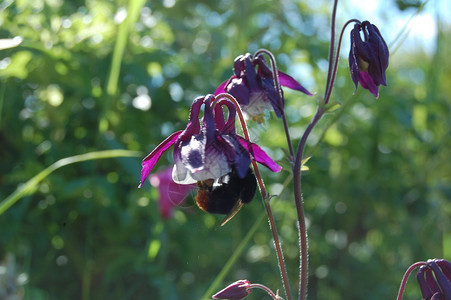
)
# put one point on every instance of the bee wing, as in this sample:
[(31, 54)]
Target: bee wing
[(232, 212)]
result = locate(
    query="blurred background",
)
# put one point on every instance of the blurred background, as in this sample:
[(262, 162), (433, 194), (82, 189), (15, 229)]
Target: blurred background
[(82, 76)]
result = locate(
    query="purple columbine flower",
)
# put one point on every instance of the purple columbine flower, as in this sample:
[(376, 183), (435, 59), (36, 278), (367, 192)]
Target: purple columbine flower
[(212, 154), (368, 59), (255, 89), (171, 194), (237, 290), (435, 280)]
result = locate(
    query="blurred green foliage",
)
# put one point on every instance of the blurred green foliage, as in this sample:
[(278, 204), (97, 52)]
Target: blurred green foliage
[(376, 196)]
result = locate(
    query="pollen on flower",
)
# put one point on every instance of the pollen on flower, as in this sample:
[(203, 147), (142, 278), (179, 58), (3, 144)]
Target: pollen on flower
[(260, 119), (258, 104), (363, 65)]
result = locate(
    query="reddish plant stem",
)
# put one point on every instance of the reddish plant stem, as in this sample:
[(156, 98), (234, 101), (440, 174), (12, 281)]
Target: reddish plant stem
[(331, 48), (406, 276), (303, 276), (337, 57), (265, 288)]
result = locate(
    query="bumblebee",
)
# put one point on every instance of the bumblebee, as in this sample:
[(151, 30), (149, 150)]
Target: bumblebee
[(227, 194)]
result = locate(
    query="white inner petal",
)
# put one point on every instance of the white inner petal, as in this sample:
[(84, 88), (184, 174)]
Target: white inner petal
[(216, 166), (257, 104), (181, 175)]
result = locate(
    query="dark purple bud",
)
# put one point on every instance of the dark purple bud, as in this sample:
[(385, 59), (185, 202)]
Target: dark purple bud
[(237, 290), (368, 58)]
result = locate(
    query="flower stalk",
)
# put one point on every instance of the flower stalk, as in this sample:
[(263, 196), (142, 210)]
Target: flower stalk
[(406, 277), (335, 64), (280, 96), (303, 241), (265, 197)]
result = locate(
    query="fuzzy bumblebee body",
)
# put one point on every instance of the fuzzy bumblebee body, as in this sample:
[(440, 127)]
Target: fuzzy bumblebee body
[(227, 195)]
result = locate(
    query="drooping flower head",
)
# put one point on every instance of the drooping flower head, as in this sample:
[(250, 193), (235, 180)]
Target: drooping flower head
[(435, 279), (368, 58), (212, 155), (171, 194), (237, 290), (253, 86)]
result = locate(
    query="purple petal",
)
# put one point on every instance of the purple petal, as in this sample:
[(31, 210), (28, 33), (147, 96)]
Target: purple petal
[(353, 56), (366, 81), (249, 74), (238, 89), (193, 126), (263, 70), (446, 267), (444, 282), (290, 82), (208, 122), (171, 193), (379, 54), (236, 153), (272, 95), (424, 287), (259, 155), (150, 160), (219, 117), (438, 296), (221, 88), (431, 281), (239, 64), (229, 126)]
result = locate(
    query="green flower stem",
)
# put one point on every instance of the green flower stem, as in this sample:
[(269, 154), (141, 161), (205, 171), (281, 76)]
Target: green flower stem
[(29, 187)]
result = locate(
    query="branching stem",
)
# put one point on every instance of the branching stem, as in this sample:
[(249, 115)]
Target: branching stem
[(303, 245)]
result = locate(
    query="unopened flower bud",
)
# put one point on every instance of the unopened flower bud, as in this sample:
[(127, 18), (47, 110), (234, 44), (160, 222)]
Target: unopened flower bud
[(237, 290)]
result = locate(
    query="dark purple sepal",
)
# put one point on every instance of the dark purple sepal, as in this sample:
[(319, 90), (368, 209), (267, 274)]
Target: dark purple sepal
[(150, 160), (259, 155), (291, 83)]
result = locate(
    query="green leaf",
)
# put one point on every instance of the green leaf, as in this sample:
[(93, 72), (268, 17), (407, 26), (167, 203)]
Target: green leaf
[(30, 186), (304, 161), (332, 106)]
